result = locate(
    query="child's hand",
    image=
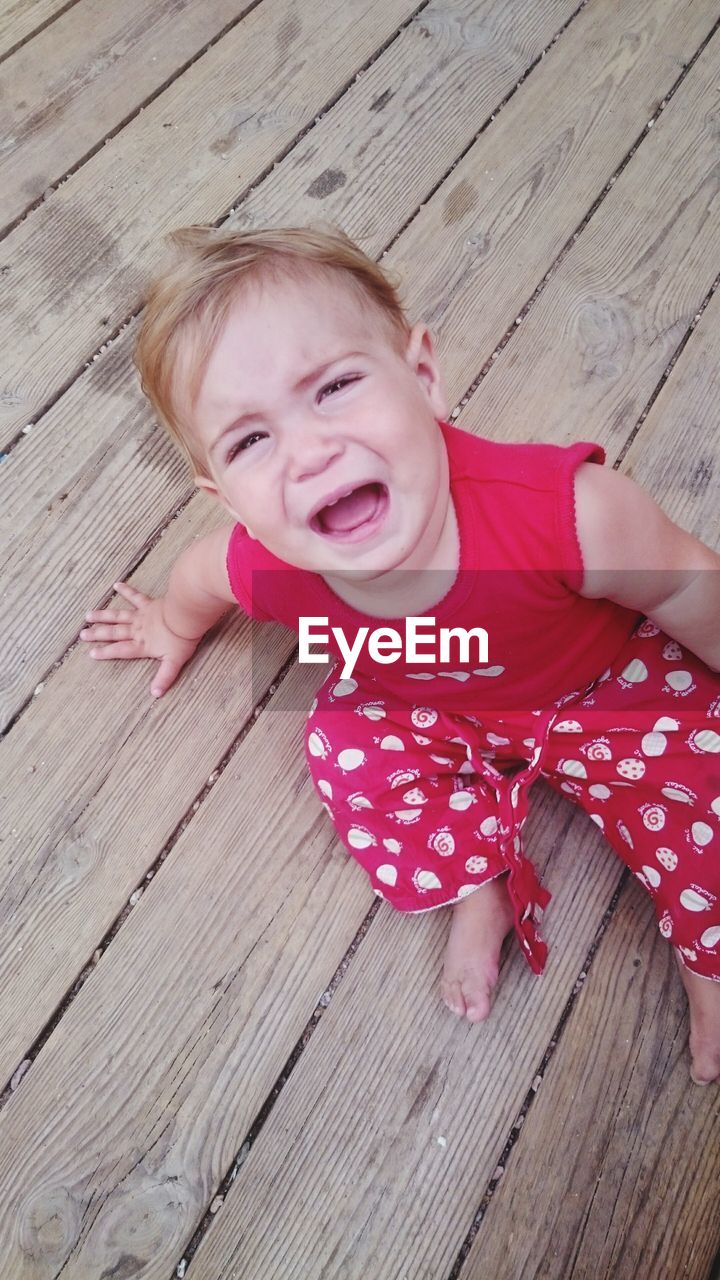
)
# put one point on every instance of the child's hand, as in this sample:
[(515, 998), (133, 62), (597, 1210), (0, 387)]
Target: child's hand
[(140, 633)]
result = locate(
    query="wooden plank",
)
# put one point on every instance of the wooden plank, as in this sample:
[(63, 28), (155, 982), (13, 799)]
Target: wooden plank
[(509, 149), (211, 980), (84, 75), (82, 256), (617, 1167), (94, 781), (19, 18)]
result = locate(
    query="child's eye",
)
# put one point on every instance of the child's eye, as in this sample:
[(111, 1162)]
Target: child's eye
[(338, 384), (240, 445)]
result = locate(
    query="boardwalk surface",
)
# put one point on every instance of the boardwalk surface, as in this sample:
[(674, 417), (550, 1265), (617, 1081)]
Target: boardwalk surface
[(222, 1057)]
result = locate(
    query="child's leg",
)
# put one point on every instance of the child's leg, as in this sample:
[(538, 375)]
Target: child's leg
[(641, 754), (704, 998), (479, 925), (409, 808)]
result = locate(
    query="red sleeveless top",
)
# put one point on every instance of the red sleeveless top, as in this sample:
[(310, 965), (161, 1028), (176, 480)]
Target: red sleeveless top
[(519, 575)]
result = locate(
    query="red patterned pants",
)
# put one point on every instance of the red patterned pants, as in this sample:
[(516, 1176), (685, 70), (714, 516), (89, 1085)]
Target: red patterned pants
[(432, 805)]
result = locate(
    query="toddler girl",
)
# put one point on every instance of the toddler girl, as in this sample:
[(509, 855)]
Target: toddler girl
[(282, 363)]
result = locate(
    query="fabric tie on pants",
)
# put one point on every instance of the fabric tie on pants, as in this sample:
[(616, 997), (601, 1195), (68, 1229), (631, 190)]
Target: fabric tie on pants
[(527, 895)]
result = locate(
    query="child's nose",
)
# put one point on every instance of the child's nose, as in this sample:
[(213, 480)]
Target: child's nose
[(312, 449)]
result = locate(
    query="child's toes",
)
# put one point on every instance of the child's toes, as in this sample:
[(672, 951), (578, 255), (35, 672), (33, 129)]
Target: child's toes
[(478, 999), (705, 1067), (453, 997)]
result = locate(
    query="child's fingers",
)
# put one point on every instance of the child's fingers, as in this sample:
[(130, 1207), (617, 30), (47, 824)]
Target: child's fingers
[(131, 593), (110, 615), (118, 649), (111, 631), (167, 674)]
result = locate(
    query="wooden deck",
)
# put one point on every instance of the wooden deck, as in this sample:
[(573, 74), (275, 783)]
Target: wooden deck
[(223, 1057)]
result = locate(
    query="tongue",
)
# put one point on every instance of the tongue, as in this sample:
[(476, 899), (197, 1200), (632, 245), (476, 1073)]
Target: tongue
[(352, 510)]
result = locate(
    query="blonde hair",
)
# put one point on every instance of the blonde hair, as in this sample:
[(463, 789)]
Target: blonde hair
[(187, 305)]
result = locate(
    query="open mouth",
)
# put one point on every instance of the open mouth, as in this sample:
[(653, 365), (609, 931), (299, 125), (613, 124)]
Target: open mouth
[(354, 516)]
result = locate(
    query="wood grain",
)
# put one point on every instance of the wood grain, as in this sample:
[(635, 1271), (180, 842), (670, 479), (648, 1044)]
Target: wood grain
[(78, 263), (633, 1147), (20, 18), (84, 75)]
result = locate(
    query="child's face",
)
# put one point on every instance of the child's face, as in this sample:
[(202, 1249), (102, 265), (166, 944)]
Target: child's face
[(328, 405)]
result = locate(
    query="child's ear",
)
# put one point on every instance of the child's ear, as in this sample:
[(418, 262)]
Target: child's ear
[(209, 486), (421, 356)]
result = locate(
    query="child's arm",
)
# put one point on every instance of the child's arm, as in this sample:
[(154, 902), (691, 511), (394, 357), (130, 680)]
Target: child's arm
[(171, 627), (635, 555)]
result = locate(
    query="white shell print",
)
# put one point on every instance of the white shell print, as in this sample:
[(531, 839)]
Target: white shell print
[(391, 743), (343, 687), (466, 767), (455, 675), (351, 758), (488, 671), (359, 838), (403, 776), (701, 832), (414, 796), (665, 925), (631, 768), (465, 889), (665, 723), (599, 791), (567, 726), (707, 740), (623, 831), (374, 713), (325, 787), (635, 672), (441, 759), (421, 741), (692, 901), (316, 746), (496, 740), (653, 817), (653, 744), (442, 842), (419, 675), (489, 826), (673, 793), (667, 858), (652, 876), (574, 768), (392, 846), (313, 707), (672, 651), (426, 880), (387, 874), (598, 821), (715, 805), (407, 815), (678, 680), (476, 865), (710, 937), (460, 800), (423, 717), (358, 801)]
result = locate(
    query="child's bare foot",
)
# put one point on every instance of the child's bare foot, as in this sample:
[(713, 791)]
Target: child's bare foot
[(704, 997), (472, 957)]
